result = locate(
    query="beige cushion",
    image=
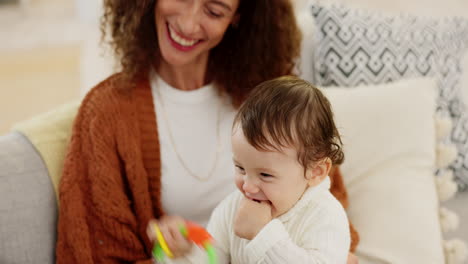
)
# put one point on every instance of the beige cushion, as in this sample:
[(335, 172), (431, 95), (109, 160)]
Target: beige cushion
[(50, 133), (389, 142)]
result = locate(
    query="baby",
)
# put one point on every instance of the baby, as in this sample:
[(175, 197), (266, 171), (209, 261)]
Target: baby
[(284, 142)]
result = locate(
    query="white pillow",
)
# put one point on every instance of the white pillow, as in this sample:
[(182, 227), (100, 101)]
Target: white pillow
[(389, 143)]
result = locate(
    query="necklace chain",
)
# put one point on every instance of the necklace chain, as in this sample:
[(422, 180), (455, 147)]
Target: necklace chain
[(179, 157)]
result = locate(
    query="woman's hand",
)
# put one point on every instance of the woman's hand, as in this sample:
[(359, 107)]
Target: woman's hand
[(170, 229), (352, 259), (251, 217)]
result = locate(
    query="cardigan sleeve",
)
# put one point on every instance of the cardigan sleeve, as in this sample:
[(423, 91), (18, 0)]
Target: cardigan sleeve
[(96, 222), (338, 189)]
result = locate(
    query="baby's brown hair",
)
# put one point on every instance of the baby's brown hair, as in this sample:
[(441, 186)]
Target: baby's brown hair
[(290, 112)]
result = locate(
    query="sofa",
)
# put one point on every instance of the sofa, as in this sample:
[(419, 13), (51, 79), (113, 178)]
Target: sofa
[(400, 221), (28, 204), (28, 184)]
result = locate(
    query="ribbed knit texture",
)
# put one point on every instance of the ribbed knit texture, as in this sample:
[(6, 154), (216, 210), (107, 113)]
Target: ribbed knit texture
[(111, 181), (314, 230), (110, 186)]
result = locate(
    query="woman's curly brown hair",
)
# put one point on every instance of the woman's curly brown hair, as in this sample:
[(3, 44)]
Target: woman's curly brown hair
[(265, 43)]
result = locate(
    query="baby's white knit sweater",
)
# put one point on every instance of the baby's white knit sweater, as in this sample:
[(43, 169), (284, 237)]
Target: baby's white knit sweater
[(315, 230)]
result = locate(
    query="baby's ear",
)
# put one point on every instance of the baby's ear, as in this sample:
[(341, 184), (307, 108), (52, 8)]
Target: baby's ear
[(316, 174)]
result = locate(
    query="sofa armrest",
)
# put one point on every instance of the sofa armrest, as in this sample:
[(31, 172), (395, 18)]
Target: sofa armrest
[(28, 207)]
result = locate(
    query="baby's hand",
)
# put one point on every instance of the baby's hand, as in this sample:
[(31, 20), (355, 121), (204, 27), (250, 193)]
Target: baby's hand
[(170, 229), (251, 217)]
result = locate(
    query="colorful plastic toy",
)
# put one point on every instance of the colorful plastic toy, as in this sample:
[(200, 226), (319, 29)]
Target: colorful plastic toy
[(192, 232)]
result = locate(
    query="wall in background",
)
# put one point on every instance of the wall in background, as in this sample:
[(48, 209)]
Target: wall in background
[(36, 80), (40, 51), (51, 53)]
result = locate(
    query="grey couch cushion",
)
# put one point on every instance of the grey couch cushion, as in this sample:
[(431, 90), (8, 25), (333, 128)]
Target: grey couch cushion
[(28, 207)]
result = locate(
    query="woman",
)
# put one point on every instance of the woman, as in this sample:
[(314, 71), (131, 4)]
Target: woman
[(153, 139)]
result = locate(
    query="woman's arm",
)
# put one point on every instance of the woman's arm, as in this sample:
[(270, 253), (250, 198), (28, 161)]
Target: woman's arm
[(96, 219)]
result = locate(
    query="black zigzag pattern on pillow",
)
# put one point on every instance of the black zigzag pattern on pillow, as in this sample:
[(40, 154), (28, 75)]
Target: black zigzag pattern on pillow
[(356, 47)]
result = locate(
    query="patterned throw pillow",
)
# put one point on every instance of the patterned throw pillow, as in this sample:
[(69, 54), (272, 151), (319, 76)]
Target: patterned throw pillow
[(355, 47)]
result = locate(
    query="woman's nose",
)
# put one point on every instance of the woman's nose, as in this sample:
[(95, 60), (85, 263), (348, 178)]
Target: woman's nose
[(189, 22)]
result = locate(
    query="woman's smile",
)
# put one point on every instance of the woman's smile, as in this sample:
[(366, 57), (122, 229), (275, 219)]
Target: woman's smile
[(188, 30), (180, 42)]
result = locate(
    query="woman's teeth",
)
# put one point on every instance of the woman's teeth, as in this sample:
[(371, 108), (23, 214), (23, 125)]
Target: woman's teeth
[(181, 41)]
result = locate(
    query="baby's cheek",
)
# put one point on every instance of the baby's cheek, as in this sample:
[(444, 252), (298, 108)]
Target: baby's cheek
[(239, 182), (279, 201)]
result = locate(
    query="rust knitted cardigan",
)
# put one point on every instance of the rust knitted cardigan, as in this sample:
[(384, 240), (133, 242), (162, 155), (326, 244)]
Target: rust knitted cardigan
[(111, 182)]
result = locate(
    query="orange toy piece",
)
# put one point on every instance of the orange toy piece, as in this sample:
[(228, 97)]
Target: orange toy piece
[(192, 232), (197, 234)]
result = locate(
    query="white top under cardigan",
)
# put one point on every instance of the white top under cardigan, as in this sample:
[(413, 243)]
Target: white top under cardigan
[(192, 117), (315, 230)]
